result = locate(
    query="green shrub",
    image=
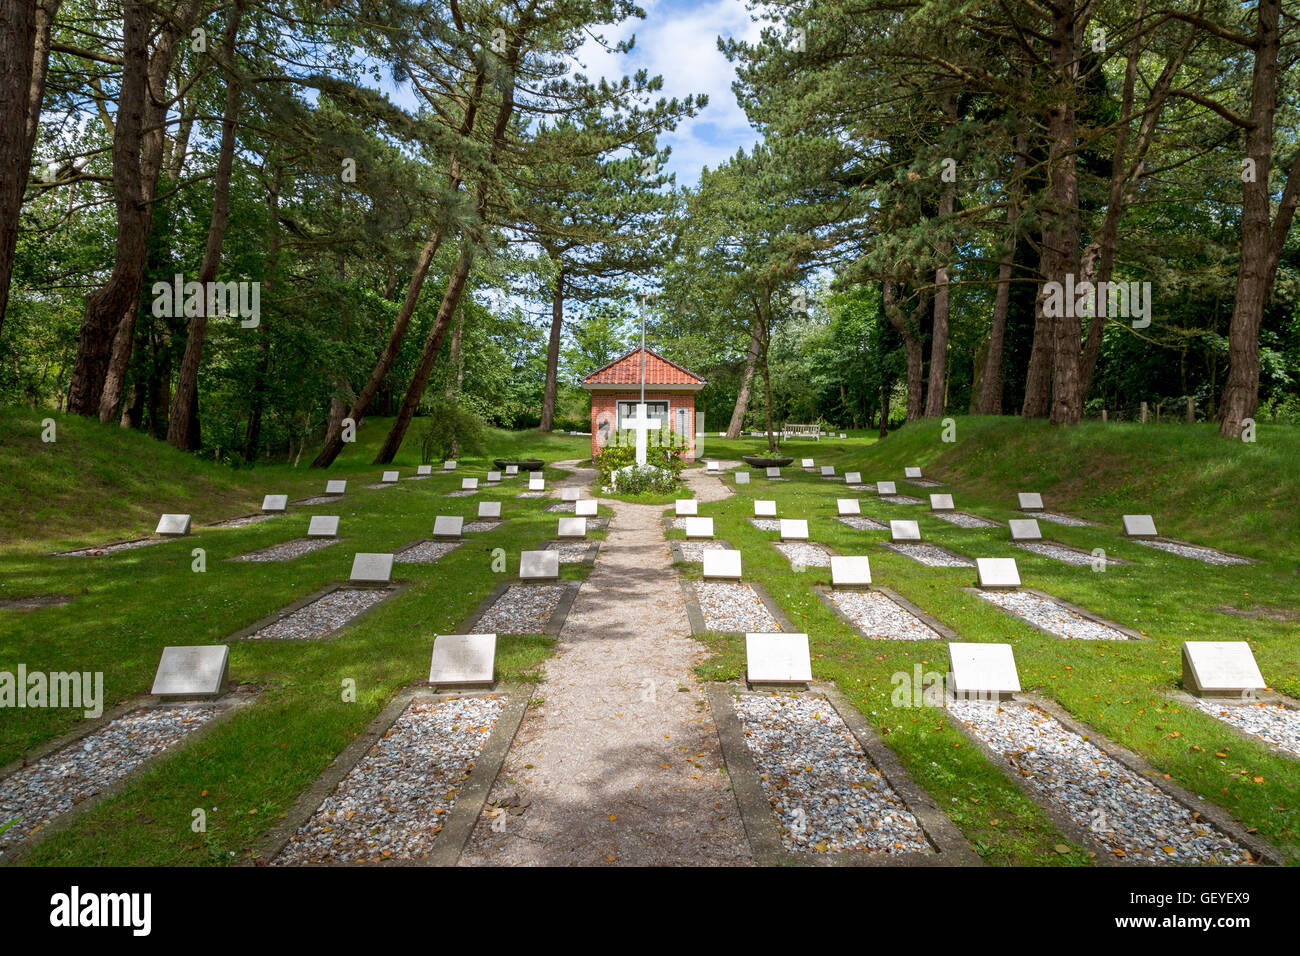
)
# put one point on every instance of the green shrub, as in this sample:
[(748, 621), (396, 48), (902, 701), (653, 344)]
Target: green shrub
[(449, 429)]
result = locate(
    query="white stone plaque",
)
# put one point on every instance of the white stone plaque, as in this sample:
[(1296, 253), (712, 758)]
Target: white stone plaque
[(1139, 526), (777, 659), (719, 563), (904, 530), (794, 529), (807, 463), (173, 525), (536, 484), (573, 528), (828, 471), (493, 477), (848, 506), (886, 488), (686, 506), (585, 507), (742, 477), (463, 660), (699, 527), (912, 472), (997, 572), (539, 564), (774, 472), (448, 526), (983, 670), (372, 568), (336, 487), (469, 484), (489, 509), (853, 477), (850, 571), (449, 465), (1025, 529), (389, 477), (323, 526), (941, 503), (1030, 501), (764, 508), (275, 502), (1221, 669), (424, 469), (192, 671)]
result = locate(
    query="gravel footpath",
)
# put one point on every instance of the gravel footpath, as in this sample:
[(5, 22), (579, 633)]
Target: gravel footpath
[(1195, 552), (963, 520), (1052, 617), (393, 803), (58, 782), (522, 609), (803, 555), (733, 609), (426, 552), (930, 555), (862, 523), (288, 550), (1127, 814), (877, 616), (617, 762), (322, 616), (1055, 517), (1273, 723), (1056, 552), (826, 793)]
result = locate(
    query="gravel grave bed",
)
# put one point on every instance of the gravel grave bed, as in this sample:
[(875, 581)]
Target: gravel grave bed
[(733, 608), (924, 482), (878, 617), (694, 550), (1278, 725), (1195, 552), (462, 493), (1052, 617), (426, 552), (531, 494), (1055, 517), (901, 500), (963, 520), (858, 487), (382, 484), (560, 507), (288, 550), (826, 793), (762, 524), (96, 551), (1058, 553), (322, 616), (930, 555), (475, 527), (862, 523), (1127, 814), (522, 609), (320, 500), (59, 781), (393, 803), (242, 522), (802, 555), (569, 553)]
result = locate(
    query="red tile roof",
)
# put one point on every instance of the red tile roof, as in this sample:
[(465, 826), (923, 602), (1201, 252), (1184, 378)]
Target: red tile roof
[(627, 371)]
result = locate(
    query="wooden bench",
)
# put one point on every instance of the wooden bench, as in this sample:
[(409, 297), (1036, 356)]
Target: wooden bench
[(801, 431)]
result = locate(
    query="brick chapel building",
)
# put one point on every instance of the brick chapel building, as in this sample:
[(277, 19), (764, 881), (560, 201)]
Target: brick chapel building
[(669, 396)]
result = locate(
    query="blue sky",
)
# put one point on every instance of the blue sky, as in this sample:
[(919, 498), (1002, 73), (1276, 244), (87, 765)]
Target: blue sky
[(678, 40)]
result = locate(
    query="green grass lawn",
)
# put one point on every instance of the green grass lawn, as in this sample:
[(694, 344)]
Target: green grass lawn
[(98, 484)]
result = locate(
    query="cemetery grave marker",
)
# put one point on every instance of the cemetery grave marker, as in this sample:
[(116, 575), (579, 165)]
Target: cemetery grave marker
[(699, 527), (764, 508), (192, 671), (806, 463), (536, 483), (448, 526), (275, 502), (912, 472), (777, 659), (773, 472), (722, 564), (828, 471), (742, 477), (390, 477), (371, 568), (489, 509), (886, 488), (1025, 529), (850, 571), (997, 572), (173, 525), (539, 564), (853, 477), (1221, 669), (1139, 526), (794, 529), (512, 470), (493, 477), (686, 506), (904, 530), (423, 470), (469, 484), (983, 671), (848, 506), (572, 528), (585, 507), (941, 503), (712, 467), (323, 526), (449, 465), (463, 660), (336, 487), (1030, 501)]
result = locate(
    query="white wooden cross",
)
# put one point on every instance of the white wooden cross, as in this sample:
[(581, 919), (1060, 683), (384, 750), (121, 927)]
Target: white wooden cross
[(642, 425)]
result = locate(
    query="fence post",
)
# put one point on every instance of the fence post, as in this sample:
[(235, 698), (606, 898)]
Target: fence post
[(1191, 410), (1144, 413)]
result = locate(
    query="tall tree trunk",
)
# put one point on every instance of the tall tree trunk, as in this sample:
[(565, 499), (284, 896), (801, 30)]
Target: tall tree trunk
[(913, 348), (1261, 236), (938, 384), (24, 59), (138, 139), (767, 387), (1038, 377), (253, 434), (553, 354), (884, 408), (990, 394), (457, 361), (1062, 239), (119, 358), (746, 381), (184, 410), (432, 346)]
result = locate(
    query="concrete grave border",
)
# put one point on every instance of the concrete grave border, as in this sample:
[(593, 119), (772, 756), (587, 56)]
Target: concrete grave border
[(226, 706), (1128, 632), (944, 632), (1263, 852), (695, 614), (450, 842), (394, 587), (761, 830), (558, 616)]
